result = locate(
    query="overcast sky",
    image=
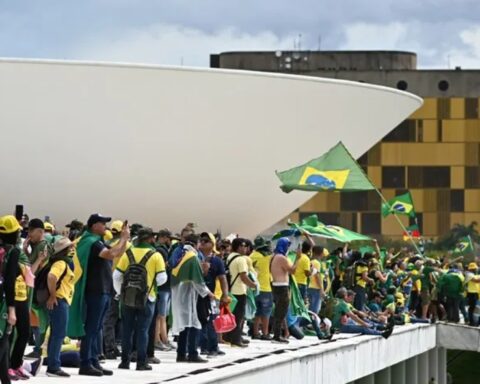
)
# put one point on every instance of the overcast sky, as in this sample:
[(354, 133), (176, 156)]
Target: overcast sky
[(176, 32)]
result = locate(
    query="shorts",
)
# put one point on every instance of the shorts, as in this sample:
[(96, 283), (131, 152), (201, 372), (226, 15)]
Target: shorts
[(163, 303), (425, 296), (264, 303)]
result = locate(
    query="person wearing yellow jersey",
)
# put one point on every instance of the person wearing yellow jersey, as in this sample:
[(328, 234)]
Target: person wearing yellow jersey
[(316, 287), (361, 280), (60, 286), (473, 290), (261, 257), (302, 273), (134, 318)]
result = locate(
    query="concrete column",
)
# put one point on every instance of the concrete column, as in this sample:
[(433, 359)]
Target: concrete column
[(423, 368), (370, 379), (398, 375), (433, 366), (442, 365), (383, 376), (411, 370)]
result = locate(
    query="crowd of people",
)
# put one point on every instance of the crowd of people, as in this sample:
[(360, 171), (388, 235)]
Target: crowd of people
[(110, 290)]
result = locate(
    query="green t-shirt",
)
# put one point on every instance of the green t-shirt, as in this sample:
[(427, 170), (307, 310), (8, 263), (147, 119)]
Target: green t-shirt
[(425, 278), (36, 249), (340, 308), (451, 285)]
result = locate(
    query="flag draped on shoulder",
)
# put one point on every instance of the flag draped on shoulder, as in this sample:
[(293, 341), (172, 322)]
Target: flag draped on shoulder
[(401, 205), (313, 227), (188, 267), (464, 246), (335, 170), (77, 312)]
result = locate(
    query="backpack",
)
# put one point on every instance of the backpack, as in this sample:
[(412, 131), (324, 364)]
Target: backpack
[(228, 274), (40, 289), (349, 278), (135, 290)]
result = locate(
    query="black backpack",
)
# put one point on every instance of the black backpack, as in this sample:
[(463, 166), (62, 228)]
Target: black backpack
[(40, 290), (135, 283), (349, 278), (228, 274)]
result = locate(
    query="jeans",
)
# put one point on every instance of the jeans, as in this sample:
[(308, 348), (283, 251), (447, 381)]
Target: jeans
[(359, 301), (315, 300), (281, 299), (188, 337), (58, 330), (348, 328), (209, 339), (151, 332), (453, 310), (235, 336), (109, 326), (303, 290), (472, 302), (137, 320), (97, 306)]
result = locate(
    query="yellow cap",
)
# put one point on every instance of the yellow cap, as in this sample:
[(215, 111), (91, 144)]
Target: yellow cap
[(472, 266), (48, 227), (9, 224), (116, 226), (108, 235)]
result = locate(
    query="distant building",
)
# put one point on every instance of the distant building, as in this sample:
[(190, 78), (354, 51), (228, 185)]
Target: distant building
[(435, 153)]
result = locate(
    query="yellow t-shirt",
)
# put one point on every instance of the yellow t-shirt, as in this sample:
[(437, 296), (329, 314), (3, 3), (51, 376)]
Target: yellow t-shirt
[(473, 287), (65, 290), (261, 264), (112, 243), (358, 275), (155, 265), (417, 283), (313, 281), (237, 266), (302, 266), (21, 287)]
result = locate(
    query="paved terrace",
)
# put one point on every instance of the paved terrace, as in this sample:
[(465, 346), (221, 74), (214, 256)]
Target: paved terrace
[(416, 350)]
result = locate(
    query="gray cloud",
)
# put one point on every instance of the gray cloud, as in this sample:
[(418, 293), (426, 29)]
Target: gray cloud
[(164, 31)]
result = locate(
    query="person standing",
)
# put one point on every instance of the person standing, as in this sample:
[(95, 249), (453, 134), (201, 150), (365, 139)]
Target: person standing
[(60, 286), (93, 291), (302, 273), (473, 289), (135, 316), (281, 268), (239, 281), (316, 291)]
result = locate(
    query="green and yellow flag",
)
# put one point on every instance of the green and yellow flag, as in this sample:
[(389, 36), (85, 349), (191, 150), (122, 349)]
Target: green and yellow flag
[(188, 269), (336, 170), (464, 246), (401, 205)]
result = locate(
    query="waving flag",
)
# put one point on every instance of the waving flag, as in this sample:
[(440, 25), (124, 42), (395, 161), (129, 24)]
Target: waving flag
[(464, 246), (401, 205), (335, 170)]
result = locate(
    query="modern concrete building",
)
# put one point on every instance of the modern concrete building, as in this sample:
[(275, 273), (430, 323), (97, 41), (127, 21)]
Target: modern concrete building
[(434, 153), (166, 146)]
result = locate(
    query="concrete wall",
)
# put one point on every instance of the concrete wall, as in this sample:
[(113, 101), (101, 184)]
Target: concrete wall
[(307, 61)]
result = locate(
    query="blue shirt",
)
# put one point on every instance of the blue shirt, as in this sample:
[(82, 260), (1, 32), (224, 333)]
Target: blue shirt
[(217, 268)]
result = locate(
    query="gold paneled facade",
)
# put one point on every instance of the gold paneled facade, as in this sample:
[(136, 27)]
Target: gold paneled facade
[(435, 154)]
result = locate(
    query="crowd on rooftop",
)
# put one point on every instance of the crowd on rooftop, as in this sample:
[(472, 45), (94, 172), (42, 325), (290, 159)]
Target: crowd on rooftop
[(110, 290)]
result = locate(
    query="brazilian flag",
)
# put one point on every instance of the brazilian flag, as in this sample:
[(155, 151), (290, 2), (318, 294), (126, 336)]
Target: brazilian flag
[(400, 205), (335, 170), (188, 269), (464, 246)]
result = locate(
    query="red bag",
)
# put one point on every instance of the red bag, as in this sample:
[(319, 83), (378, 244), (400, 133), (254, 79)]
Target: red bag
[(225, 322)]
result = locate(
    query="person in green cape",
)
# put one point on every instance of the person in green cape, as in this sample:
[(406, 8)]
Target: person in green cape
[(93, 290)]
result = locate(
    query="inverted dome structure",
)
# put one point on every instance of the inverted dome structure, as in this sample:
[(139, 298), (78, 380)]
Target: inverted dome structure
[(165, 146)]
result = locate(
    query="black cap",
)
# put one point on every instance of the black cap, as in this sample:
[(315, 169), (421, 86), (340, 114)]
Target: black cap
[(165, 233), (75, 224), (97, 218), (36, 223), (145, 233)]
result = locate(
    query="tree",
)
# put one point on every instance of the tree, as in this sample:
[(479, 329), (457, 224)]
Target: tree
[(450, 239)]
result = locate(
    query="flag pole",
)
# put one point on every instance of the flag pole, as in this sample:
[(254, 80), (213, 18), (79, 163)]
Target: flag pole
[(384, 200)]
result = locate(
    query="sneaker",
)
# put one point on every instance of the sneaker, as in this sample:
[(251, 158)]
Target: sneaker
[(181, 359), (256, 337), (280, 340), (105, 372), (196, 359), (245, 341), (35, 366), (101, 358), (12, 375), (144, 367), (170, 346), (57, 373), (159, 346), (153, 360), (112, 355), (89, 371), (22, 374), (124, 365), (33, 355), (204, 352), (215, 353), (266, 337), (238, 345)]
